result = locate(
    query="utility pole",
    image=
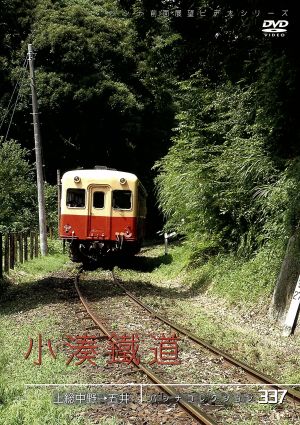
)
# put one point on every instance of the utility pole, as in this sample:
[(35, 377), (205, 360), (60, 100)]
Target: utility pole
[(38, 156)]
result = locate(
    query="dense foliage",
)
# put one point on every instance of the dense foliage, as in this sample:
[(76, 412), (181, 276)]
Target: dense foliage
[(101, 99), (224, 176)]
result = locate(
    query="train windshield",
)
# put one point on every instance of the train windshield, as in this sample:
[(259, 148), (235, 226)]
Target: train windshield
[(75, 198), (121, 199)]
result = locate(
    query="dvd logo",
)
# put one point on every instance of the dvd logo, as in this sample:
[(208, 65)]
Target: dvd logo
[(275, 26)]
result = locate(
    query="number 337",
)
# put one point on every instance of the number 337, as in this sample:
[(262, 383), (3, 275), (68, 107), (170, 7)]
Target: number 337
[(271, 396)]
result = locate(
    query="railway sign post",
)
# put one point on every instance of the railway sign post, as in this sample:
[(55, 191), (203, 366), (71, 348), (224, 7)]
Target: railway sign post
[(166, 237), (38, 155), (293, 310)]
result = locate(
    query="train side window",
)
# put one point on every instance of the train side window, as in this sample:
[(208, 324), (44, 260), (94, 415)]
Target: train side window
[(98, 200), (121, 199), (75, 198)]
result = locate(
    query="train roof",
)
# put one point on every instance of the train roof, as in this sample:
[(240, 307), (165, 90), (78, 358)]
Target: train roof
[(101, 174)]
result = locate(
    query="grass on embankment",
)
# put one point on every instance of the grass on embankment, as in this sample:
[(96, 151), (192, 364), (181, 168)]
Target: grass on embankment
[(234, 278)]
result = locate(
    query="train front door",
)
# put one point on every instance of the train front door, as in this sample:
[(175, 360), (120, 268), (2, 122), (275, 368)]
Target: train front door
[(99, 217)]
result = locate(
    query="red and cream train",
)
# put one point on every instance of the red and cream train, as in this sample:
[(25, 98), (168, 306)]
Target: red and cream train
[(102, 211)]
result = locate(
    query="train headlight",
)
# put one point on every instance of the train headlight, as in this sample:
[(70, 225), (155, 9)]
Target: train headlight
[(122, 180), (77, 179)]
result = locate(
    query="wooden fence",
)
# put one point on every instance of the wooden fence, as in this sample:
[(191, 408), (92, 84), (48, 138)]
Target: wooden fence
[(17, 248)]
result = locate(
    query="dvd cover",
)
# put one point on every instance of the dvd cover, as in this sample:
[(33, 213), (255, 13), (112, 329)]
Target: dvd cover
[(149, 218)]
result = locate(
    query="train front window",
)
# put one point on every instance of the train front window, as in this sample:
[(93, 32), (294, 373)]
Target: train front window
[(98, 200), (75, 198), (121, 199)]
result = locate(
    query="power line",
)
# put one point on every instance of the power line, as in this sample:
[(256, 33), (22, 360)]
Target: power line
[(18, 83), (16, 102), (10, 100)]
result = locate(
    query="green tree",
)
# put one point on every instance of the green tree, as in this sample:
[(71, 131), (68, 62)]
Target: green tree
[(17, 189)]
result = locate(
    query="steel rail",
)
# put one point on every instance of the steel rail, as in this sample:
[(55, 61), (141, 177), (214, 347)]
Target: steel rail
[(193, 411), (251, 372)]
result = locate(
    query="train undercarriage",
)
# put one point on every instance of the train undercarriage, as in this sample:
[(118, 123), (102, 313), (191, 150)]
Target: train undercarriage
[(84, 250)]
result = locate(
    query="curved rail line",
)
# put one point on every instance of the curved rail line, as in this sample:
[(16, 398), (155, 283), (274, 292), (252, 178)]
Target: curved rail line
[(258, 376), (192, 410)]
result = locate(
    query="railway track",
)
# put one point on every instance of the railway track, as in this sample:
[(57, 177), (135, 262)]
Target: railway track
[(199, 415), (195, 412)]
